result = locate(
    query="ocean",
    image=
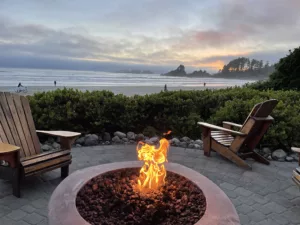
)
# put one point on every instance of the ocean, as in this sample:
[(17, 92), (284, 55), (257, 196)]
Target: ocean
[(10, 77)]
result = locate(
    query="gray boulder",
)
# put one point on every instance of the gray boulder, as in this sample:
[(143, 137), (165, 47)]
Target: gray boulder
[(175, 141), (191, 146), (132, 141), (116, 139), (155, 140), (295, 156), (139, 137), (106, 136), (196, 146), (266, 150), (91, 140), (289, 159), (198, 142), (120, 134), (125, 139), (56, 146), (46, 147), (279, 155), (183, 144), (80, 141), (50, 141), (131, 135), (107, 143), (78, 145), (185, 139)]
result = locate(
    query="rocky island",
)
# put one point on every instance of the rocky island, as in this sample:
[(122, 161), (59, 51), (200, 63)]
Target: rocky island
[(180, 72)]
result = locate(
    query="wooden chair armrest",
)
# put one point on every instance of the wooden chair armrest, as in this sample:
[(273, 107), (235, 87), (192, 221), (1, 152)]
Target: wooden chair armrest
[(10, 154), (8, 148), (67, 138), (268, 118), (214, 127), (232, 124), (63, 134), (297, 150)]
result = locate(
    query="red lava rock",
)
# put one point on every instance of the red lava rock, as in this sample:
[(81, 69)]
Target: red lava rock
[(110, 199)]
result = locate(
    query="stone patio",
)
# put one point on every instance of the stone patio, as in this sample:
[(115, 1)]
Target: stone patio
[(265, 195)]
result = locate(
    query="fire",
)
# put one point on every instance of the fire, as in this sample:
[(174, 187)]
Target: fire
[(169, 132), (153, 172)]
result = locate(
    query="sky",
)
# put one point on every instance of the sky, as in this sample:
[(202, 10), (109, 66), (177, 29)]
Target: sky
[(145, 34)]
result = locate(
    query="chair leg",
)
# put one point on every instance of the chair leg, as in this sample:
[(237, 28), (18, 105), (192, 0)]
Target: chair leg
[(16, 183), (64, 171), (260, 158)]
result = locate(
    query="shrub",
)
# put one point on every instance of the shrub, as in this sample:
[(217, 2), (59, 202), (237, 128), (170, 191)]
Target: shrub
[(179, 111)]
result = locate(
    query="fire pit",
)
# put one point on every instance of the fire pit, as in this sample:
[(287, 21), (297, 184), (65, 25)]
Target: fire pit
[(139, 193)]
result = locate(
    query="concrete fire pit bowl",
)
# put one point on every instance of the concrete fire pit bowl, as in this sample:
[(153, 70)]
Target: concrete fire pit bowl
[(63, 210)]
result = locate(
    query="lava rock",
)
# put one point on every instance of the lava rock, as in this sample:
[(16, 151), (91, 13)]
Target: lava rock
[(139, 137), (279, 155), (196, 146), (106, 136), (131, 141), (269, 158), (183, 144), (80, 141), (131, 135), (289, 159), (120, 134), (191, 146), (91, 140), (46, 147), (266, 150), (185, 139), (56, 146), (113, 194), (78, 145), (107, 143)]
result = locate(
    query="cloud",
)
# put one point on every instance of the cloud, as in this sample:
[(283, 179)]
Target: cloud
[(150, 32)]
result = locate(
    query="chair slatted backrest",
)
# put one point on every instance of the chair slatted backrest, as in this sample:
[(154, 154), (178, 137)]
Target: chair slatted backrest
[(255, 125), (16, 124)]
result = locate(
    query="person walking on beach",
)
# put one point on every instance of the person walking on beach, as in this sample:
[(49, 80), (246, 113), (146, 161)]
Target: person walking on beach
[(20, 85), (55, 83), (165, 89), (204, 84)]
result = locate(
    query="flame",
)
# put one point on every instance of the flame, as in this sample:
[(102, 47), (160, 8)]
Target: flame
[(169, 132), (153, 172)]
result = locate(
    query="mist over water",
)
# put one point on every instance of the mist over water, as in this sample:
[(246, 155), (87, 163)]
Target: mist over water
[(70, 78)]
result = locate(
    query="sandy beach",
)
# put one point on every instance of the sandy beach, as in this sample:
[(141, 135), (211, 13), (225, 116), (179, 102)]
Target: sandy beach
[(126, 90)]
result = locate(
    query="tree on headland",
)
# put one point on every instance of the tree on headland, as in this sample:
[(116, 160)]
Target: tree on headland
[(237, 68), (287, 74), (246, 66)]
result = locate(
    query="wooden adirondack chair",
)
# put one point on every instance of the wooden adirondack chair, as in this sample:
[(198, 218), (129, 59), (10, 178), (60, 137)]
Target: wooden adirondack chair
[(238, 145), (20, 147), (296, 172)]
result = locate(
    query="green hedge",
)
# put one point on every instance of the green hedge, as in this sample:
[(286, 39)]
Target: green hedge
[(100, 111)]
